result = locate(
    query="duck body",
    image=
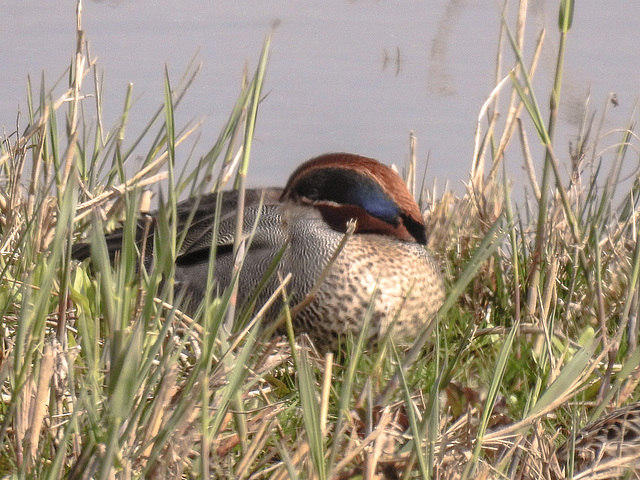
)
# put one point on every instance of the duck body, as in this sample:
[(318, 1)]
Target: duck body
[(614, 439), (262, 212), (384, 260)]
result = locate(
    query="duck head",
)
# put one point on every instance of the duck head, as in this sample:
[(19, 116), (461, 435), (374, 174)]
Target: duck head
[(345, 186)]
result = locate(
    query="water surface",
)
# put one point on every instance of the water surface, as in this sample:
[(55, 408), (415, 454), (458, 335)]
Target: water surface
[(343, 75)]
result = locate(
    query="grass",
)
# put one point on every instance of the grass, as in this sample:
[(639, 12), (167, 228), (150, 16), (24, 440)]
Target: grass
[(103, 376)]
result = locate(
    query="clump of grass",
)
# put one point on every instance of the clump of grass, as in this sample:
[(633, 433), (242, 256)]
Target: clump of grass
[(103, 376)]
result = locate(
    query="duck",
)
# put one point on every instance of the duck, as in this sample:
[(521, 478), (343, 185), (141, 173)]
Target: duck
[(383, 270), (610, 444)]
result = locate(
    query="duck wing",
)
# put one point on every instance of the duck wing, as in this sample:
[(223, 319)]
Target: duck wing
[(197, 216)]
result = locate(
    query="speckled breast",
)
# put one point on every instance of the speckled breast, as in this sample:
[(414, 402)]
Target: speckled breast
[(401, 279)]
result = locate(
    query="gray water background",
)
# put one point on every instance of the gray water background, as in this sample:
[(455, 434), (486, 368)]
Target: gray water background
[(343, 75)]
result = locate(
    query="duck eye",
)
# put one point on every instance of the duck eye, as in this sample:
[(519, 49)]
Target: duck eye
[(308, 189)]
